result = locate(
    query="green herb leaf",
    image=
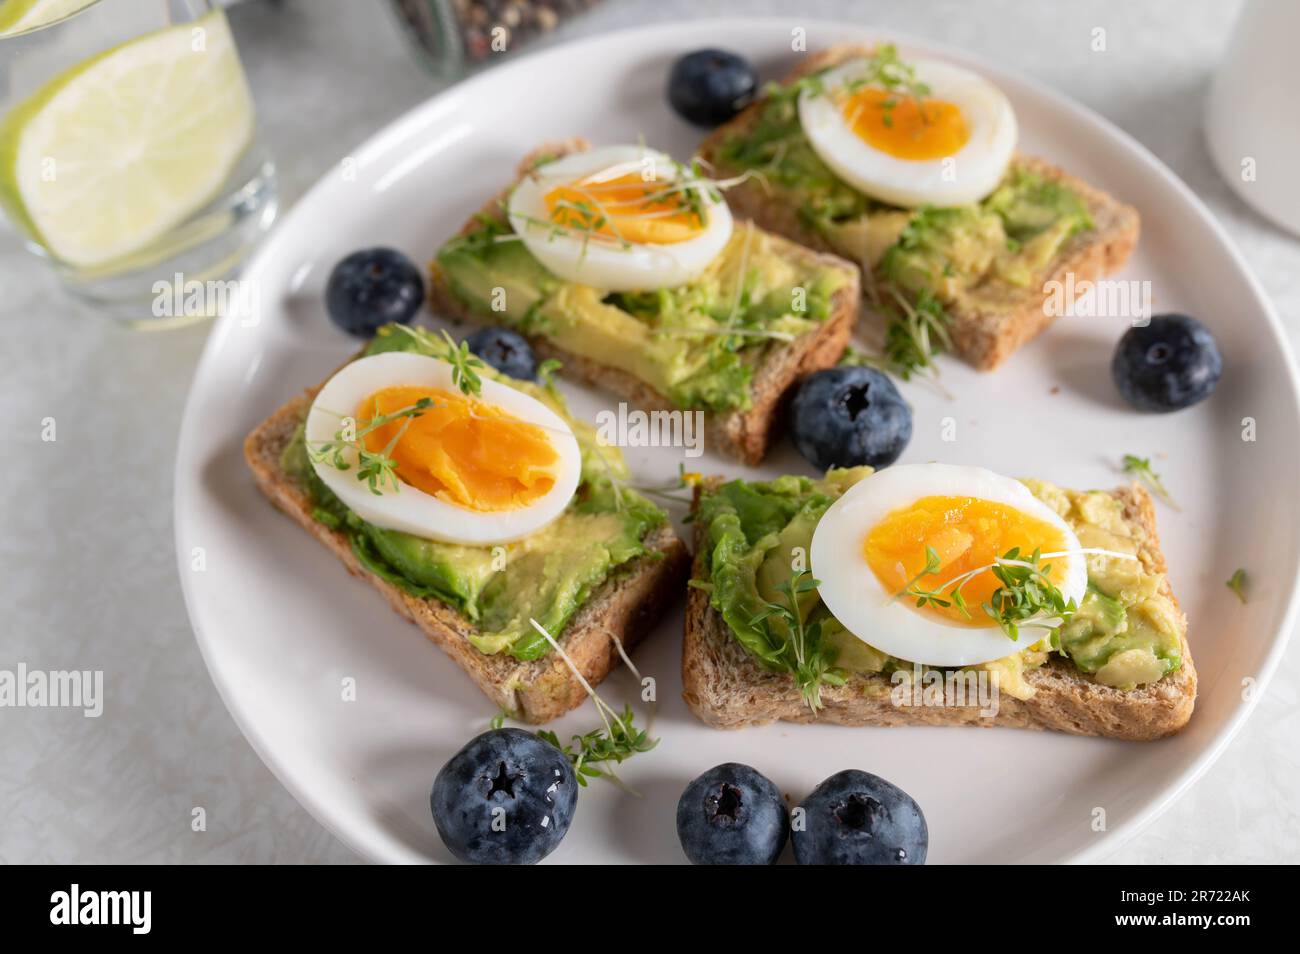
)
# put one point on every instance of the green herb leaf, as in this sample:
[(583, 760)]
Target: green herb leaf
[(1238, 583), (1140, 467), (377, 469), (613, 744), (1026, 595), (916, 332), (800, 652)]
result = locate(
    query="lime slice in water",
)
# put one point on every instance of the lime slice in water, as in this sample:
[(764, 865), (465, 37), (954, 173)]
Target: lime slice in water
[(19, 16), (112, 154)]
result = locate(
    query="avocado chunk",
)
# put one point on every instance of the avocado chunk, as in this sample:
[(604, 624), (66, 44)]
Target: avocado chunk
[(1123, 615)]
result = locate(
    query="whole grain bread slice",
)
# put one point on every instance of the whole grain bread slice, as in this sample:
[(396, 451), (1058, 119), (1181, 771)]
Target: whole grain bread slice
[(985, 331), (621, 610), (726, 688), (744, 434)]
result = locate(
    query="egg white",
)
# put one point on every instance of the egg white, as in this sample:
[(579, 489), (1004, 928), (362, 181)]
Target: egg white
[(410, 509), (851, 591), (977, 167), (598, 261)]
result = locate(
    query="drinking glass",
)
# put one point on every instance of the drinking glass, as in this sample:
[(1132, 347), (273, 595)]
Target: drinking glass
[(129, 154)]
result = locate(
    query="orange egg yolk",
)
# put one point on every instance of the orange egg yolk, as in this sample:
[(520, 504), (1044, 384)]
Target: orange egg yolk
[(901, 126), (966, 533), (462, 450), (626, 207)]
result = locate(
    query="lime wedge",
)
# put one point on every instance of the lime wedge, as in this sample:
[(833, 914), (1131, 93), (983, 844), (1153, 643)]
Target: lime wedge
[(111, 155), (19, 16)]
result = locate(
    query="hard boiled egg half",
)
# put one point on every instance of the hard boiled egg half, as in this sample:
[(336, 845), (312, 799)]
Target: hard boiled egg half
[(620, 218), (475, 470), (947, 147), (871, 543)]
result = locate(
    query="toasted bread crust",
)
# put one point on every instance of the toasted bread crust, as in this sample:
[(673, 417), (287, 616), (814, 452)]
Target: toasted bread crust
[(726, 688), (742, 434), (625, 606), (984, 335)]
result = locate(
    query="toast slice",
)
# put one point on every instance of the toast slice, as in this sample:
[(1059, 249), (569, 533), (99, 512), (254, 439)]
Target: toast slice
[(984, 333), (726, 688), (744, 434), (623, 608)]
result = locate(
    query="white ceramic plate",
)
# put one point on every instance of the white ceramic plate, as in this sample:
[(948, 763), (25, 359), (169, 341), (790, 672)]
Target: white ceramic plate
[(281, 625)]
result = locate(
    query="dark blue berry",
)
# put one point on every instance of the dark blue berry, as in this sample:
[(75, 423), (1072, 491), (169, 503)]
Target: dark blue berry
[(732, 815), (856, 818), (506, 798), (1167, 365), (845, 417), (506, 350), (708, 87), (371, 288)]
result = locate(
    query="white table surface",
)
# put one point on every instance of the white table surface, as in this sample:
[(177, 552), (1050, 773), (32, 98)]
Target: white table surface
[(88, 578)]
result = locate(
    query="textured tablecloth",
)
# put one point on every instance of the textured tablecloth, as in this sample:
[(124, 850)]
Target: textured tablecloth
[(87, 573)]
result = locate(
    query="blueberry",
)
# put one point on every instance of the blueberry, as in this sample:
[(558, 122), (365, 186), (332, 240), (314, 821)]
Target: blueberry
[(709, 87), (856, 818), (371, 288), (844, 417), (507, 351), (732, 815), (1169, 364), (506, 798)]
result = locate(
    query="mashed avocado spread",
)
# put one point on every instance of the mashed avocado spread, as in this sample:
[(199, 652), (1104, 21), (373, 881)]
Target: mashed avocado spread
[(547, 575), (962, 253), (1125, 633), (696, 344)]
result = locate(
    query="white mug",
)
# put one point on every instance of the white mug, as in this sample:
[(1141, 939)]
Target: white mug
[(1252, 117)]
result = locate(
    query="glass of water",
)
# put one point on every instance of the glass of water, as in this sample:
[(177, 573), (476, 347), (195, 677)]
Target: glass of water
[(129, 155)]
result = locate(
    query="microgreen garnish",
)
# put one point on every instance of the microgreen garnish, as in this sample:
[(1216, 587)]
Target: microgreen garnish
[(464, 363), (591, 216), (915, 333), (546, 376), (1140, 467), (926, 597), (886, 70), (917, 322), (799, 648), (489, 230), (1238, 583), (499, 719), (377, 469), (1026, 597), (464, 366), (618, 741)]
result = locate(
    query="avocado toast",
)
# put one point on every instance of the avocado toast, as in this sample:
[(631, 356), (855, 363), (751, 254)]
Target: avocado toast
[(597, 604), (623, 343), (977, 274), (1120, 667)]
